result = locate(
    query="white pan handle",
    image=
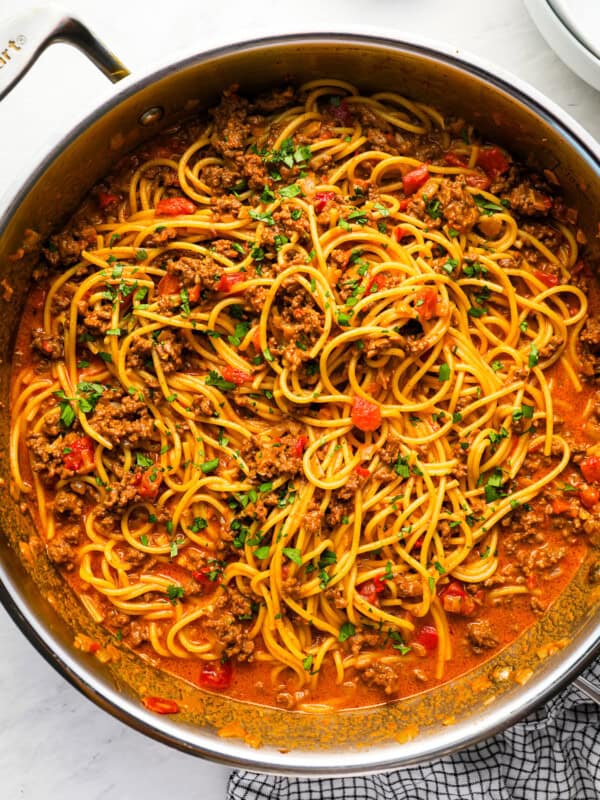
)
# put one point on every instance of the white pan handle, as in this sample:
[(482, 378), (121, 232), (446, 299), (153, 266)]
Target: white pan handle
[(24, 37)]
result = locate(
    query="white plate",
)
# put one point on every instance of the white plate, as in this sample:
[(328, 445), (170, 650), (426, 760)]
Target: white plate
[(572, 29)]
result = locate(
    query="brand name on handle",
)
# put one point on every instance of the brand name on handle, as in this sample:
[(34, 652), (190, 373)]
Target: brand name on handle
[(11, 49)]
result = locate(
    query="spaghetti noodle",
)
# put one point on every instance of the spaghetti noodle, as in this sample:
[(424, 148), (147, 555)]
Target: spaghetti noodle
[(288, 387)]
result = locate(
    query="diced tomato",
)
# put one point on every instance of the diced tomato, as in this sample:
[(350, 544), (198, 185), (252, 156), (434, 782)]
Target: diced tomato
[(370, 589), (366, 416), (376, 284), (194, 293), (426, 303), (169, 284), (403, 204), (492, 161), (546, 278), (202, 576), (216, 675), (362, 471), (149, 483), (342, 114), (300, 446), (161, 705), (414, 179), (589, 496), (590, 467), (174, 206), (228, 281), (80, 457), (237, 376), (401, 233), (106, 198), (428, 637), (321, 199), (562, 506), (478, 180), (455, 600), (454, 160)]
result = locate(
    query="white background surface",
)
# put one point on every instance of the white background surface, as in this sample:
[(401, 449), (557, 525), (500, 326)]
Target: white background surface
[(54, 744)]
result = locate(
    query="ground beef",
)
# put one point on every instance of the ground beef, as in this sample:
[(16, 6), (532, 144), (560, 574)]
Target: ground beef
[(97, 320), (122, 418), (46, 456), (480, 636), (590, 334), (231, 128), (202, 271), (220, 179), (62, 548), (362, 641), (46, 344), (274, 100), (64, 248), (68, 503), (169, 349), (272, 459), (457, 205), (231, 633), (381, 676), (136, 634), (526, 200)]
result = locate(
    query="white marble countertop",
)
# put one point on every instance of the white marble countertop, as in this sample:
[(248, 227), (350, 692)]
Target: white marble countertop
[(53, 742)]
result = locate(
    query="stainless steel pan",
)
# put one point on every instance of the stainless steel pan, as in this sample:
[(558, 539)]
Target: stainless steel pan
[(504, 110)]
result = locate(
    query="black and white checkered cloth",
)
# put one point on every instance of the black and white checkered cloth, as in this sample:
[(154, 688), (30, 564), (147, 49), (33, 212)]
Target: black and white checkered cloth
[(553, 753)]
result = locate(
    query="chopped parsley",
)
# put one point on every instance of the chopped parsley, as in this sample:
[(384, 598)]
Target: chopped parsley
[(209, 466), (175, 593), (346, 631), (444, 373), (214, 379), (294, 554)]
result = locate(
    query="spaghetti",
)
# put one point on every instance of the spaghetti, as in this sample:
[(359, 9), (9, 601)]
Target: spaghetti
[(288, 390)]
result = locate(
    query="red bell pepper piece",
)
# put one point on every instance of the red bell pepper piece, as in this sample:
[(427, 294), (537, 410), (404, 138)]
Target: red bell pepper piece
[(148, 483), (161, 705), (589, 496), (376, 284), (492, 161), (227, 281), (428, 637), (547, 278), (169, 284), (80, 457), (366, 416), (174, 207), (426, 303), (414, 179), (321, 199), (455, 600), (237, 376), (300, 446), (216, 675), (590, 468), (370, 589), (106, 198)]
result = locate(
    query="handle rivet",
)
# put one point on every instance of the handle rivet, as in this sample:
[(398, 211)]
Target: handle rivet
[(151, 116)]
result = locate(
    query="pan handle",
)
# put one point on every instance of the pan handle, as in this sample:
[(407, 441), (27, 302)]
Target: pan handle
[(24, 37), (588, 689)]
